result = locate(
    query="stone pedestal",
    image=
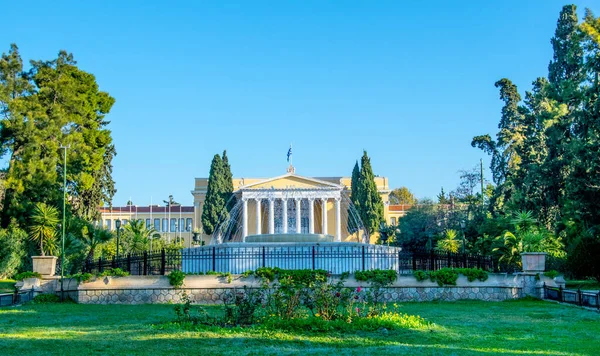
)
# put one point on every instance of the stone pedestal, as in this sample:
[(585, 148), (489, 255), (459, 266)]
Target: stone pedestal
[(44, 265), (533, 261)]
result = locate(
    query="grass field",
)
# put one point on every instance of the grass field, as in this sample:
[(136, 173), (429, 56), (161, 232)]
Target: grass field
[(7, 286), (462, 328)]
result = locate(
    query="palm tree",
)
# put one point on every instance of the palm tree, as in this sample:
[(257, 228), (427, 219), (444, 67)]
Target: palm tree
[(91, 236), (449, 243), (137, 236), (43, 227)]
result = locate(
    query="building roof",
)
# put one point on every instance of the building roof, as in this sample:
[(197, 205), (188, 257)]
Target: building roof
[(146, 209)]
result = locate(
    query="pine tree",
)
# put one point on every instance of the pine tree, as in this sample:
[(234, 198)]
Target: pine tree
[(53, 104), (369, 201), (214, 204)]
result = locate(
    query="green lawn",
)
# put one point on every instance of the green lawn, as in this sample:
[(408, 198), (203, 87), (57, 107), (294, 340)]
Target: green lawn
[(468, 327), (7, 286)]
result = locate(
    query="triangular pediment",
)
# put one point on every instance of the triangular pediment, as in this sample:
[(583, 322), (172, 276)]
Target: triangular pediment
[(290, 181)]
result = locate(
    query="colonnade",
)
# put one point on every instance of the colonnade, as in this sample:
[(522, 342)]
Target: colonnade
[(284, 207)]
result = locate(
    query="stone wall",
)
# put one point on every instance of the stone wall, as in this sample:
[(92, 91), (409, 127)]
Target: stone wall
[(213, 289)]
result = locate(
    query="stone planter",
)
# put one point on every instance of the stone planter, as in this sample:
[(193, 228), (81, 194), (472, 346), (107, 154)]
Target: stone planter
[(533, 261), (44, 265)]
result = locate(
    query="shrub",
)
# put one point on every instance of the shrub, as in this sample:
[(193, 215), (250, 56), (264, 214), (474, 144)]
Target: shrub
[(473, 274), (12, 250), (46, 298), (176, 278), (551, 274), (240, 306), (81, 277), (378, 276), (114, 272), (444, 276), (421, 275), (23, 275)]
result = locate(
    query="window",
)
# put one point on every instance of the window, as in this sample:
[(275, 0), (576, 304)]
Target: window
[(108, 225), (181, 225), (188, 224), (157, 225), (147, 223), (173, 225), (165, 225), (393, 221), (125, 221)]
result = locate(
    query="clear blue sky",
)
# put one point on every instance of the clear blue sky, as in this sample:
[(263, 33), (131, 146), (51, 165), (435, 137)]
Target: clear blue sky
[(410, 82)]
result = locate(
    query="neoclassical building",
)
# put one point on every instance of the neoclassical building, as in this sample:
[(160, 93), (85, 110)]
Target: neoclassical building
[(286, 204), (292, 203)]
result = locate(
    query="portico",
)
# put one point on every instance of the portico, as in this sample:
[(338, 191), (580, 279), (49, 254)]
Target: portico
[(302, 205)]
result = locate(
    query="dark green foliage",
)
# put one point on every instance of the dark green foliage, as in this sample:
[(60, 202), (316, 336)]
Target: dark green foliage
[(176, 278), (13, 249), (240, 306), (382, 277), (583, 258), (444, 276), (68, 109), (370, 204), (354, 188), (81, 277), (28, 274), (218, 194), (544, 157), (114, 272), (46, 298), (420, 276), (449, 276), (473, 274)]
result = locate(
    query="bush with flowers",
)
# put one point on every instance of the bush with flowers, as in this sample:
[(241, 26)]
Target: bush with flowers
[(305, 300)]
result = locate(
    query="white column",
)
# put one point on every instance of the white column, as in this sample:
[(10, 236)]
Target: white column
[(244, 219), (298, 216), (324, 211), (271, 215), (284, 215), (311, 216), (258, 220), (338, 219)]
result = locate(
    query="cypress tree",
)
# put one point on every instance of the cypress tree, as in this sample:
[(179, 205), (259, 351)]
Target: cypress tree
[(354, 186), (227, 182), (369, 201), (214, 205)]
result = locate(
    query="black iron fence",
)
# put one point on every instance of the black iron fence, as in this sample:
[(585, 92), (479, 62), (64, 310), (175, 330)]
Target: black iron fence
[(579, 297), (336, 259), (15, 298)]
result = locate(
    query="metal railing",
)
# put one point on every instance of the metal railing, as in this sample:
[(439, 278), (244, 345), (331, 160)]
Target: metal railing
[(579, 297), (9, 299), (336, 259)]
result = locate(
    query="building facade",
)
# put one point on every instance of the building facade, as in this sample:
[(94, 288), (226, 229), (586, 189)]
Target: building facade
[(286, 204)]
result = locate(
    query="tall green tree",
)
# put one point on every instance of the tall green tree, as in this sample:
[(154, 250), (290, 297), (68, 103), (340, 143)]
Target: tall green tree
[(53, 104), (352, 210), (370, 204), (218, 193)]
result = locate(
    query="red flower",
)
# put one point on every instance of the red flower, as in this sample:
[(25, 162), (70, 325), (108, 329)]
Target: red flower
[(337, 294), (358, 289), (356, 297)]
